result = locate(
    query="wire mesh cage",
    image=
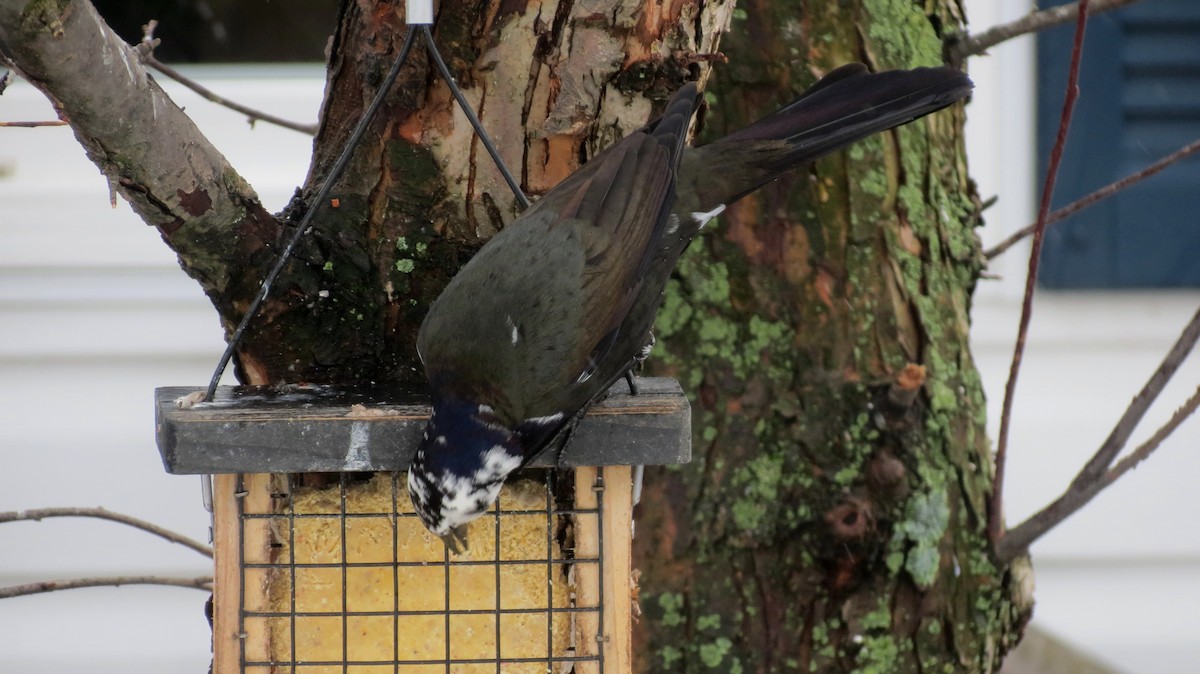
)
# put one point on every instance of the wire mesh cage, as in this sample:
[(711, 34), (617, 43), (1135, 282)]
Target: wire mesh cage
[(333, 571), (324, 564)]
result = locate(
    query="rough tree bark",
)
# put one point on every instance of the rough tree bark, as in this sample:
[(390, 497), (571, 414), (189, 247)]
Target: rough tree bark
[(833, 518)]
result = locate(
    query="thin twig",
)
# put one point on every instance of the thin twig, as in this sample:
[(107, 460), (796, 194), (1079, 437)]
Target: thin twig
[(1147, 448), (960, 46), (1016, 541), (1097, 196), (254, 115), (199, 583), (1099, 463), (146, 50), (995, 515), (33, 125), (38, 514)]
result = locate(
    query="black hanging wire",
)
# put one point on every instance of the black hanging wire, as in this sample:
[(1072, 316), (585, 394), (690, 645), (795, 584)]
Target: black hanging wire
[(466, 107), (339, 167)]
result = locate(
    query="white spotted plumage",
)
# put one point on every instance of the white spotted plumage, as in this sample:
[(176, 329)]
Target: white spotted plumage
[(464, 497), (460, 467)]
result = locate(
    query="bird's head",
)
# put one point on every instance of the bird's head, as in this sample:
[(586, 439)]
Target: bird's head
[(464, 456)]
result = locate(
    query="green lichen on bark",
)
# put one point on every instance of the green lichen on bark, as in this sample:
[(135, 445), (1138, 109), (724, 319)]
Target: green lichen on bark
[(43, 15), (840, 530)]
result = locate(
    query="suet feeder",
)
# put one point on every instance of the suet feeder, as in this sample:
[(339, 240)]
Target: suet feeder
[(322, 566)]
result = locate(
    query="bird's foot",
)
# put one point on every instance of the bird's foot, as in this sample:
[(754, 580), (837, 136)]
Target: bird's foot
[(564, 437), (631, 380), (456, 539)]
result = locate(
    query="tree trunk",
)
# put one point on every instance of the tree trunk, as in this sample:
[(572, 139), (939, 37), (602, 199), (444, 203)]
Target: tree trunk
[(833, 517)]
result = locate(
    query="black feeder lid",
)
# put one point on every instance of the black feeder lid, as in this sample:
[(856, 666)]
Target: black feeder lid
[(308, 429)]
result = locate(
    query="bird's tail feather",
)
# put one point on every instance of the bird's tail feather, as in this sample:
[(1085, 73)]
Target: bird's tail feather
[(670, 130), (846, 105)]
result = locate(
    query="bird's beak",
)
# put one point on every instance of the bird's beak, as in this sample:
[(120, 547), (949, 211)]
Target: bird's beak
[(456, 539)]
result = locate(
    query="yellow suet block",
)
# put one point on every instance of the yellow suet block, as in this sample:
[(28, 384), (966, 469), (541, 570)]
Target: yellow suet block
[(362, 548)]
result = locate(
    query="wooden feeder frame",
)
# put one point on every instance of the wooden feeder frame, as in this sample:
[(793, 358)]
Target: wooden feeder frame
[(253, 439)]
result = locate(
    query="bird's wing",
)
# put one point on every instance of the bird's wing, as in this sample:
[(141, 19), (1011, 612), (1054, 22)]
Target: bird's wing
[(620, 202), (535, 322)]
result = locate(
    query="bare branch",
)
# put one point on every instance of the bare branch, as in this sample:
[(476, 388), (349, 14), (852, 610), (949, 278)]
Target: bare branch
[(146, 51), (1096, 475), (995, 515), (199, 583), (32, 125), (1147, 448), (960, 46), (39, 514), (1099, 463), (1099, 195), (160, 162), (209, 94), (1017, 540)]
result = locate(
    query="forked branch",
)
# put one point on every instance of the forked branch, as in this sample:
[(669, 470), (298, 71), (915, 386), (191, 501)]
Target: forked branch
[(1099, 472), (143, 143), (959, 46), (1016, 541)]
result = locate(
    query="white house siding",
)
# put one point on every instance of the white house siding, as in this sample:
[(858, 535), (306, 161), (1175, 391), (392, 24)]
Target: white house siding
[(96, 313)]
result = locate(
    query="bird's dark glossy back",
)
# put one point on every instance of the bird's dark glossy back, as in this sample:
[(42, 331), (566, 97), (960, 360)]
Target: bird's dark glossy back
[(559, 305)]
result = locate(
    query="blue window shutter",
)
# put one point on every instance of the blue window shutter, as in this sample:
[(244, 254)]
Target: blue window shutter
[(1140, 100)]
